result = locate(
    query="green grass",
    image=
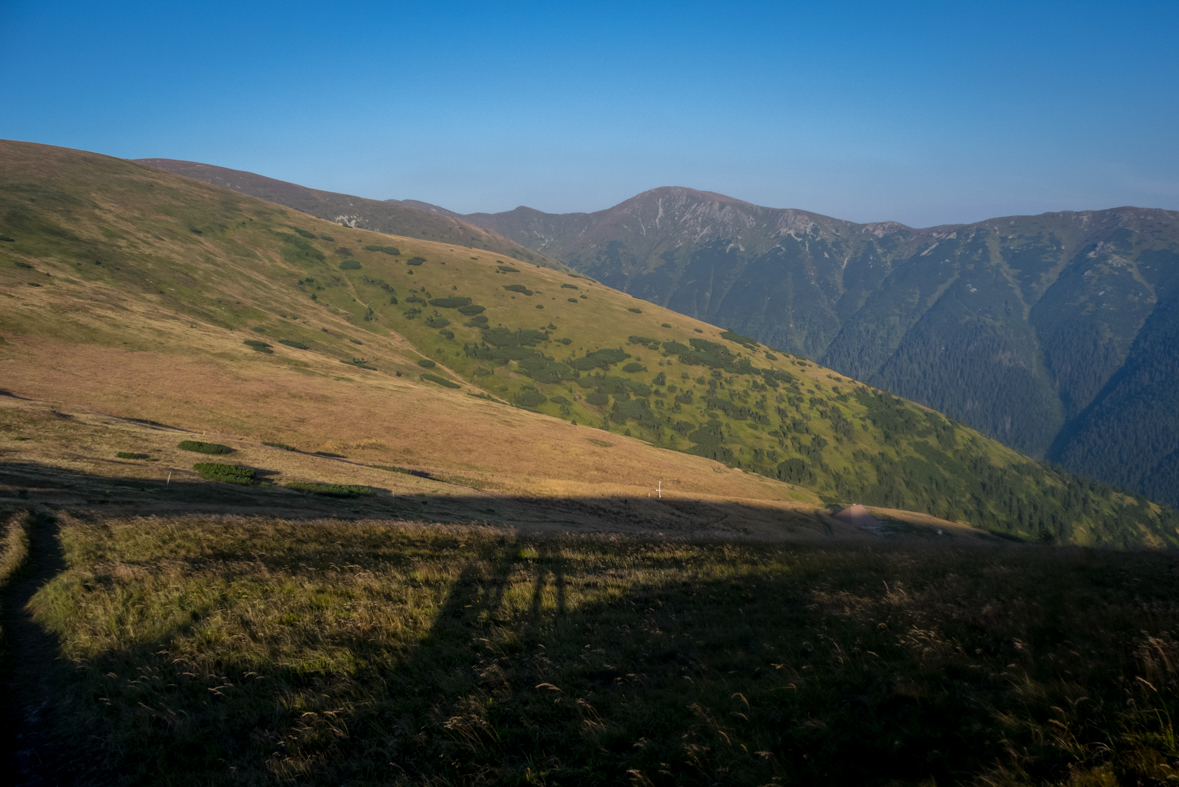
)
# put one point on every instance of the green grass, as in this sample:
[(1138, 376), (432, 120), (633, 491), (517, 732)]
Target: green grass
[(130, 455), (227, 474), (254, 651)]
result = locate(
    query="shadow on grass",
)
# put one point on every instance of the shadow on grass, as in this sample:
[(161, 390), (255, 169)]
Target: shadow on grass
[(23, 484), (330, 654)]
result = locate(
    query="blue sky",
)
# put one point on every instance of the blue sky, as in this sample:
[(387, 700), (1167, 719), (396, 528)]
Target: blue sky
[(924, 113)]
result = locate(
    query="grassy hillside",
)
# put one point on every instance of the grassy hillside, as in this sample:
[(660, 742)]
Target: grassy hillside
[(165, 299), (388, 216), (1016, 326)]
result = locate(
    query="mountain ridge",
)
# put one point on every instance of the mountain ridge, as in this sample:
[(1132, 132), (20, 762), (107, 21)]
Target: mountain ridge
[(992, 322), (240, 315), (393, 217)]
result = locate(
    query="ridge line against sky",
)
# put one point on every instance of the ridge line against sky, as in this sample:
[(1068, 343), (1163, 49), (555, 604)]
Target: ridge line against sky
[(923, 113)]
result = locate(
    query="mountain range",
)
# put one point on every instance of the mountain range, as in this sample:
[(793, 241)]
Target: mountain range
[(1055, 334), (140, 294)]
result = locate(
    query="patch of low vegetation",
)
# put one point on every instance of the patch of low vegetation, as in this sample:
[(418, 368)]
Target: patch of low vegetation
[(635, 309), (452, 302), (331, 490), (426, 363), (391, 250), (403, 470), (292, 343), (520, 288), (204, 448), (471, 310), (599, 359), (439, 380), (506, 269), (745, 341), (415, 261), (130, 455), (530, 398), (282, 446), (350, 265), (462, 656), (437, 322), (227, 474), (258, 346)]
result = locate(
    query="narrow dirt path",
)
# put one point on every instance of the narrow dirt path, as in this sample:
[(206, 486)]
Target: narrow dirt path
[(29, 663)]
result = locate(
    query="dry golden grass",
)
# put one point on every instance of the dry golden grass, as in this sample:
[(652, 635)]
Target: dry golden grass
[(380, 420)]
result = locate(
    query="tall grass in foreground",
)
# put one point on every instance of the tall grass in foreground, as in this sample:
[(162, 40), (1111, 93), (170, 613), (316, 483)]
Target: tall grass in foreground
[(14, 550), (254, 651)]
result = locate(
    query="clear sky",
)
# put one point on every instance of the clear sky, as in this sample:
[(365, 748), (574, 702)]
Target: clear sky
[(920, 112)]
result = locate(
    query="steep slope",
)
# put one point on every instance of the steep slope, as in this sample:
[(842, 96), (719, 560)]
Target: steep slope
[(161, 298), (392, 217), (1013, 325)]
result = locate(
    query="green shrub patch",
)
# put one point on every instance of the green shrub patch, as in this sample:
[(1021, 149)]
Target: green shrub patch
[(745, 341), (646, 341), (415, 260), (130, 455), (293, 343), (570, 287), (530, 398), (545, 370), (332, 490), (477, 322), (599, 359), (507, 269), (226, 474), (452, 302), (518, 288), (504, 337), (437, 322), (471, 310), (283, 446), (635, 309), (204, 448), (350, 265), (632, 367), (426, 363), (440, 380), (598, 398), (258, 346), (393, 250)]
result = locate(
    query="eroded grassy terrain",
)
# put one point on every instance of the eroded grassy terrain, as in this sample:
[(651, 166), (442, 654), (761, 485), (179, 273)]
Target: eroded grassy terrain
[(254, 650)]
